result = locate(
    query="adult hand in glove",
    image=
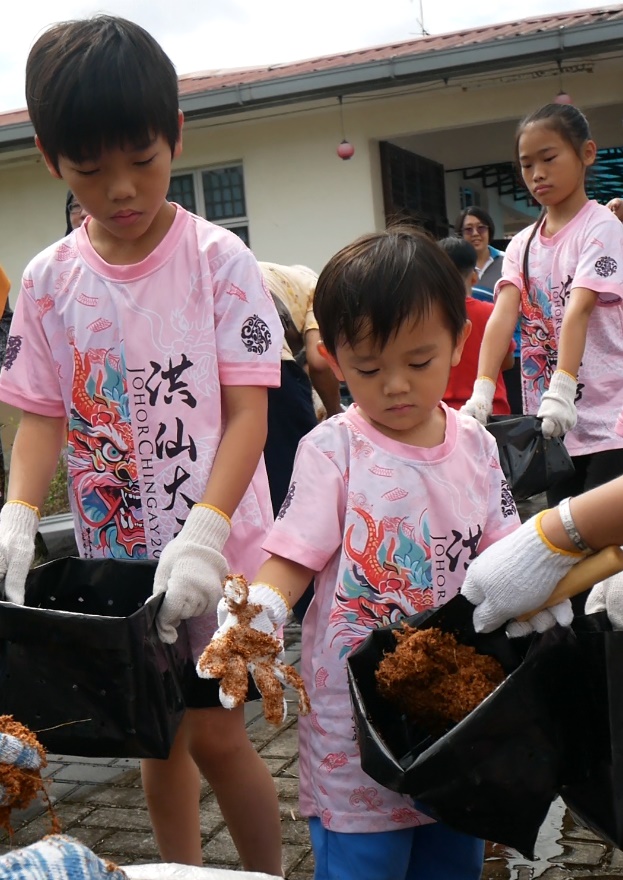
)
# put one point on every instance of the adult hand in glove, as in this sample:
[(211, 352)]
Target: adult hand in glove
[(18, 528), (516, 575), (608, 596), (557, 409), (246, 642), (191, 570), (480, 404)]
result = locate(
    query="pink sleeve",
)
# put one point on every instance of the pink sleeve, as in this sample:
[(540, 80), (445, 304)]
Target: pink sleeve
[(308, 528), (29, 379), (511, 267), (249, 333), (600, 262), (502, 516)]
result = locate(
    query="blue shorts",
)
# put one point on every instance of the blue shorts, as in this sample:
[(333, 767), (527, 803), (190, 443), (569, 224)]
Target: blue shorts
[(426, 852)]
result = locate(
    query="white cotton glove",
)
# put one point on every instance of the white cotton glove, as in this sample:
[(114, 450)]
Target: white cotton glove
[(607, 596), (514, 576), (18, 529), (17, 753), (191, 570), (230, 659), (480, 404), (57, 857), (557, 409)]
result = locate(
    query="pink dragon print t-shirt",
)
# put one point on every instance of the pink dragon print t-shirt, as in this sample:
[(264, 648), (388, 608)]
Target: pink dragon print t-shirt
[(390, 529), (587, 252), (134, 356)]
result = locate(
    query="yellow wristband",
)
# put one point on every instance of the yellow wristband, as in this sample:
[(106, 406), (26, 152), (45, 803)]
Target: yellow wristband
[(488, 378), (26, 504), (548, 543), (215, 509), (565, 373), (275, 590)]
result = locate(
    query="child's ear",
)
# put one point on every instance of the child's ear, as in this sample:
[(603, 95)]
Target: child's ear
[(177, 150), (589, 153), (460, 343), (330, 359), (48, 162)]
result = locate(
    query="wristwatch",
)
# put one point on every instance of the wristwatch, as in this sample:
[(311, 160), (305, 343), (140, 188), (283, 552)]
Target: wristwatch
[(570, 527)]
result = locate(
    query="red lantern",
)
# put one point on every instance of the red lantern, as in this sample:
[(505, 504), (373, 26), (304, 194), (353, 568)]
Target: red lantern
[(563, 98), (345, 150)]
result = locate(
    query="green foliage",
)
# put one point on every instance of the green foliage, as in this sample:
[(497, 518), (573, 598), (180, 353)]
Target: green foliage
[(57, 500)]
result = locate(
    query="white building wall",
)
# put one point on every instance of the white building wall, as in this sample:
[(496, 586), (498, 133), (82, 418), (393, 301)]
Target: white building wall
[(304, 202)]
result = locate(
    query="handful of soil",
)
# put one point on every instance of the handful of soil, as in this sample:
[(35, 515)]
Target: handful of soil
[(434, 679)]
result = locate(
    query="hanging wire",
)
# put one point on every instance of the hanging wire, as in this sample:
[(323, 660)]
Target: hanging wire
[(342, 117)]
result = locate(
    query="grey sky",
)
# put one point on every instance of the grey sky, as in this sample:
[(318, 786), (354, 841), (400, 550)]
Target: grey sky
[(216, 34)]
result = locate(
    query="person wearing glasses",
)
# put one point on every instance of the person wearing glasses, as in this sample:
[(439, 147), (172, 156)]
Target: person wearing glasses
[(74, 213), (476, 226)]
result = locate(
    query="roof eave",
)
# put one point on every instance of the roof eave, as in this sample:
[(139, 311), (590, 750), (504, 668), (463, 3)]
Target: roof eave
[(517, 51), (599, 37)]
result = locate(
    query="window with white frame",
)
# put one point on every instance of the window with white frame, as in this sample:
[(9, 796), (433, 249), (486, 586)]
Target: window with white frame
[(214, 193)]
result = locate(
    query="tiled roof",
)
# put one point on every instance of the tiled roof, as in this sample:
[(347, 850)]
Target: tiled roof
[(212, 81), (217, 79)]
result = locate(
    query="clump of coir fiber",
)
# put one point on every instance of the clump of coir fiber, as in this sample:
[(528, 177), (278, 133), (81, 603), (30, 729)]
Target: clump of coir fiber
[(21, 785), (434, 679)]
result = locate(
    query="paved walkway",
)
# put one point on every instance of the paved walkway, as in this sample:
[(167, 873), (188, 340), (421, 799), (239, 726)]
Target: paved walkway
[(100, 801)]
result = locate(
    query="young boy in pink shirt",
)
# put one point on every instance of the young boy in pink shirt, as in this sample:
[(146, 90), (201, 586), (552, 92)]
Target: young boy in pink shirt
[(389, 503), (149, 334)]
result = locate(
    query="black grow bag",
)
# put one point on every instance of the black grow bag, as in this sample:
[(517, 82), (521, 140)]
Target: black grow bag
[(531, 464), (596, 797), (81, 663), (495, 774)]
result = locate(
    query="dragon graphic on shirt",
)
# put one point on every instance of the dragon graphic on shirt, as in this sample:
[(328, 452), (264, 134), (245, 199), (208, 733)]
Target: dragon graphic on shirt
[(101, 459), (539, 350), (389, 578)]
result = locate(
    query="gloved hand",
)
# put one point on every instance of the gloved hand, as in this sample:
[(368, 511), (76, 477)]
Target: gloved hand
[(191, 570), (607, 596), (514, 576), (245, 642), (480, 404), (18, 528), (59, 857), (557, 409), (15, 752)]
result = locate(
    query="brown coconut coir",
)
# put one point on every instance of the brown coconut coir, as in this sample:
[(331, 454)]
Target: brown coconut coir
[(434, 679), (21, 785)]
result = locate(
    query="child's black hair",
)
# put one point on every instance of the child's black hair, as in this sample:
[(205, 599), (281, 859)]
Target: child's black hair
[(372, 286), (98, 83), (572, 126), (462, 253)]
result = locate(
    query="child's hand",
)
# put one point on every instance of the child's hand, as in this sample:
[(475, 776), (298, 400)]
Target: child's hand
[(191, 570), (18, 528), (480, 404), (245, 642), (557, 409), (608, 596), (515, 575)]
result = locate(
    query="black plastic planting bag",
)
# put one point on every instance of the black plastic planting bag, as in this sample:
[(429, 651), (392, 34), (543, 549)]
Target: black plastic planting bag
[(81, 663), (495, 774), (596, 797), (531, 464)]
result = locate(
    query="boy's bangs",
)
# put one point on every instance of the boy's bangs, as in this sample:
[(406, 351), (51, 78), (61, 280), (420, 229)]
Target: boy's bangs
[(108, 117)]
